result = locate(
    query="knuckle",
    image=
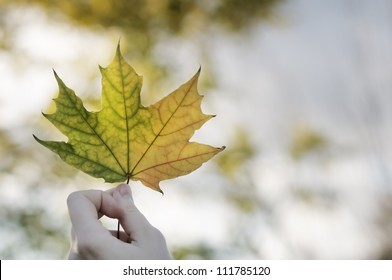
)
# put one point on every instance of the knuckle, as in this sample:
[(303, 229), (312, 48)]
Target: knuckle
[(72, 197)]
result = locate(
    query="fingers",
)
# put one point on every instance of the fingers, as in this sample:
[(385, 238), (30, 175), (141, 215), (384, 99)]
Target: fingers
[(132, 220), (148, 242), (90, 240), (84, 208)]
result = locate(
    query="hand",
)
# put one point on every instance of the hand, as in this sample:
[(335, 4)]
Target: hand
[(90, 240)]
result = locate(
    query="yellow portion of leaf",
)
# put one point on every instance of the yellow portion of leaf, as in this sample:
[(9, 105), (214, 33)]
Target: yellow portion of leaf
[(126, 140)]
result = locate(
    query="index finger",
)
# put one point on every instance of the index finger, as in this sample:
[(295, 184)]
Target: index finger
[(84, 208)]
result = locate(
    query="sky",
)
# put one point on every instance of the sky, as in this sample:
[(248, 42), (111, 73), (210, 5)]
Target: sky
[(323, 65)]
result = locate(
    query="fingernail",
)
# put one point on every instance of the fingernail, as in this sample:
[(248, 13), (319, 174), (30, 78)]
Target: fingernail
[(125, 190)]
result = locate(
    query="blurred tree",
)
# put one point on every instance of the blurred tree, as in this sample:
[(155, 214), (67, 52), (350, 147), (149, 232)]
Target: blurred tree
[(384, 229), (236, 156), (143, 25), (34, 225), (151, 17), (306, 141), (200, 251)]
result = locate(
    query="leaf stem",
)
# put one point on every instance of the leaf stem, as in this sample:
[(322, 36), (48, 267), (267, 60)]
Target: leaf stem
[(118, 223)]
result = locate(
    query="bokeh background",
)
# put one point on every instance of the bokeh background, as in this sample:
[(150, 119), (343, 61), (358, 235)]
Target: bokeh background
[(302, 93)]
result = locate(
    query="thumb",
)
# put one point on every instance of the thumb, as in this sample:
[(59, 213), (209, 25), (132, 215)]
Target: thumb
[(131, 219)]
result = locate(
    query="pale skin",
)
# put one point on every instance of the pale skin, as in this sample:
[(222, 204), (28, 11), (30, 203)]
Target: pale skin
[(91, 240)]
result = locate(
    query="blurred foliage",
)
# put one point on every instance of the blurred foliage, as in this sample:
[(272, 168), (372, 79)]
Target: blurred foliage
[(172, 16), (23, 216), (39, 234), (234, 164), (241, 191), (3, 35), (196, 252), (8, 151), (306, 141), (239, 152), (384, 225), (143, 24), (34, 226)]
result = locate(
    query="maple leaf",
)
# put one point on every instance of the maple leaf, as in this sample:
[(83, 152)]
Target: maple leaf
[(126, 140)]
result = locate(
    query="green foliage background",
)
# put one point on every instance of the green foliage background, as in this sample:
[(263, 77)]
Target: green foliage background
[(142, 25)]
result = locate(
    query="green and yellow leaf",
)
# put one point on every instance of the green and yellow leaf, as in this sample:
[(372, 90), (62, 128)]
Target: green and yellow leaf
[(126, 140)]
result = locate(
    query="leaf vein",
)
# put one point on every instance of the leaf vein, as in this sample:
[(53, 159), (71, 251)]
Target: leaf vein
[(164, 125), (173, 161), (98, 136)]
